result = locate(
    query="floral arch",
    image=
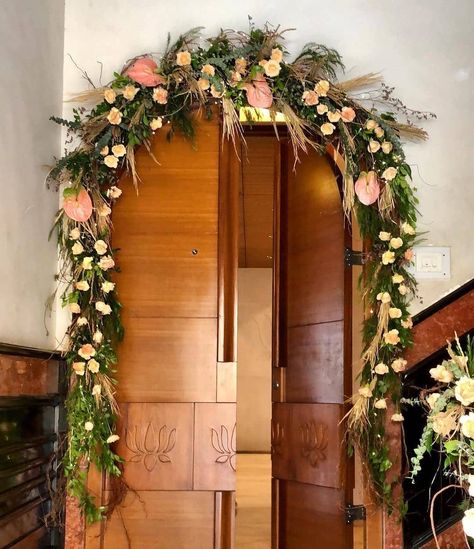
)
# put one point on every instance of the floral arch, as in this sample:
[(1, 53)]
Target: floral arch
[(235, 70)]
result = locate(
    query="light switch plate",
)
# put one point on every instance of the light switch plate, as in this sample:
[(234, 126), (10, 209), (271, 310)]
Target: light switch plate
[(431, 262)]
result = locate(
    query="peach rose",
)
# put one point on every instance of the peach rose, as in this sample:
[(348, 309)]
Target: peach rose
[(129, 92), (74, 308), (114, 116), (431, 399), (241, 65), (104, 151), (204, 84), (82, 285), (160, 95), (379, 132), (156, 123), (111, 161), (272, 68), (112, 438), (396, 243), (408, 255), (82, 321), (119, 150), (209, 70), (444, 423), (391, 337), (333, 116), (397, 278), (327, 128), (88, 425), (402, 289), (93, 366), (373, 146), (371, 124), (86, 351), (183, 58), (310, 98), (277, 55), (98, 337), (96, 390), (322, 108), (114, 192), (387, 147), (348, 114), (408, 323), (394, 312), (109, 95), (216, 92), (408, 229), (397, 418), (79, 368), (399, 365)]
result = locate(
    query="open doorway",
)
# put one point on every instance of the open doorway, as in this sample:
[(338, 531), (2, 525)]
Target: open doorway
[(259, 172)]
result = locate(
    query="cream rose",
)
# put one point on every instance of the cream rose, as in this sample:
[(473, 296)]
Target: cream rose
[(322, 88), (93, 366), (272, 68), (97, 390), (183, 58), (160, 95), (109, 95), (371, 124), (74, 234), (444, 423), (204, 84), (397, 278), (348, 114), (384, 297), (209, 70), (119, 150), (396, 243), (467, 425), (390, 173), (86, 351), (381, 369), (112, 438), (384, 236), (100, 247), (156, 123), (365, 391), (399, 365), (82, 321), (88, 425), (441, 374), (79, 368), (333, 116), (327, 128), (379, 132), (98, 337), (310, 98), (322, 108), (397, 418), (111, 161), (470, 480), (114, 192), (129, 92), (82, 285), (74, 308), (464, 390), (394, 312), (108, 286), (380, 404), (402, 289), (387, 147), (77, 248), (114, 116), (217, 93), (431, 399), (87, 263), (373, 146), (241, 65), (391, 337), (408, 323), (408, 229), (106, 263), (104, 151), (388, 257), (277, 55), (468, 522), (103, 308)]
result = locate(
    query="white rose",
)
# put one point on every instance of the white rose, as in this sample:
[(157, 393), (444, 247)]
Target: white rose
[(397, 278), (277, 55), (112, 438), (111, 161), (399, 365), (79, 368), (75, 234), (380, 404), (383, 235), (114, 192), (467, 425), (129, 92), (82, 285), (396, 243), (390, 173), (384, 297), (87, 263), (381, 369), (88, 425), (98, 337), (397, 418), (464, 390), (77, 248), (119, 150), (408, 229), (96, 390), (468, 522), (74, 308), (387, 147), (365, 391), (157, 123), (431, 399), (100, 247), (103, 308), (81, 321), (388, 257), (106, 263), (441, 374), (93, 366), (373, 146), (402, 289), (371, 124), (322, 108)]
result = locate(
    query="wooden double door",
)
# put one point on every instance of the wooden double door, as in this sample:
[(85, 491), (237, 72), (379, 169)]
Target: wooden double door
[(178, 253)]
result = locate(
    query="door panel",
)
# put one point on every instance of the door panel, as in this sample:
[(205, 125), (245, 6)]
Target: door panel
[(176, 368), (312, 475)]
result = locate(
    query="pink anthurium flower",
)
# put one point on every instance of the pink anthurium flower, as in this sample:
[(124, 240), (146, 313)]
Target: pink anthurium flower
[(259, 94), (367, 187), (143, 71), (77, 206)]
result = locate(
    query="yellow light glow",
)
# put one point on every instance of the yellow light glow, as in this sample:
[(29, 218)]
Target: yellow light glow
[(255, 115)]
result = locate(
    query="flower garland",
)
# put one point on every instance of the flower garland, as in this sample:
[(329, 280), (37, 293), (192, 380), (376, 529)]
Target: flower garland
[(235, 70)]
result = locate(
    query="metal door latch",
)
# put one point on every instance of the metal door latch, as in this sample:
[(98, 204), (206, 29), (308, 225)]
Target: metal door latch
[(354, 512), (352, 257)]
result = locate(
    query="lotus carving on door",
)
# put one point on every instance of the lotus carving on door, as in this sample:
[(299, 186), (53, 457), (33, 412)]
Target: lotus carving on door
[(314, 441), (150, 446), (225, 445), (277, 438)]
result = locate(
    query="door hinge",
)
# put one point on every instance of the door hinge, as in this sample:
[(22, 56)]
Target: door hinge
[(354, 512), (352, 257)]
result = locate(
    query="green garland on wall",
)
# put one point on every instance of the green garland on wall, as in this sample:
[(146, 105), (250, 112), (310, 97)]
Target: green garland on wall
[(235, 70)]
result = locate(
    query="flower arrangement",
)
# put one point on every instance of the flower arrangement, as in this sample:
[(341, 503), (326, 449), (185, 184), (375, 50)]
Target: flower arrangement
[(450, 422), (235, 70)]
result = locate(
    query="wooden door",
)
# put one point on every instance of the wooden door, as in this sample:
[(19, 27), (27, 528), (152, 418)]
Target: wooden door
[(311, 378), (177, 242)]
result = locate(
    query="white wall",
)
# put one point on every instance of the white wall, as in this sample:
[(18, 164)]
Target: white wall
[(424, 48), (31, 61), (254, 360)]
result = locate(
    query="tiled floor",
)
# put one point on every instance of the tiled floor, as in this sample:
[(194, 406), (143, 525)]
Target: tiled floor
[(253, 501)]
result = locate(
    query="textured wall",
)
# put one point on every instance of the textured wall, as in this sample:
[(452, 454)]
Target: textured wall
[(31, 60)]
